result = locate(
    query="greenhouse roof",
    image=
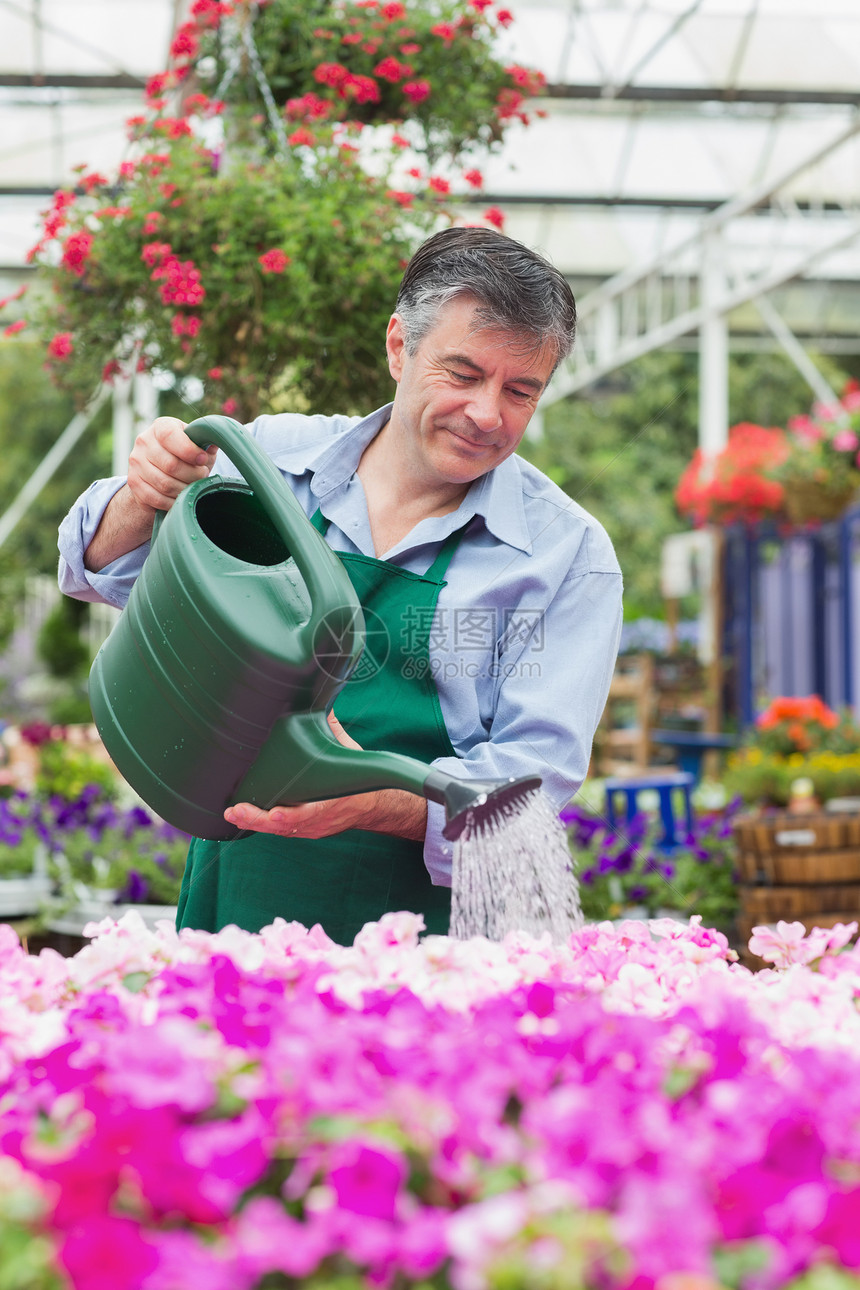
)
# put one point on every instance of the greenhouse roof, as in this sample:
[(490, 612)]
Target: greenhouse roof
[(658, 113)]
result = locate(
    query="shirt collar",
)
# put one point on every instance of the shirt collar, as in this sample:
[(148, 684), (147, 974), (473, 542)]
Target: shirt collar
[(497, 496)]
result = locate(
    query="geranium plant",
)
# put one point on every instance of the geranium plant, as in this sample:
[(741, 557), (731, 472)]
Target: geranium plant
[(735, 486), (281, 172)]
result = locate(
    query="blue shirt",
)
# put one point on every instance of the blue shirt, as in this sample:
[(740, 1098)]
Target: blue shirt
[(526, 630)]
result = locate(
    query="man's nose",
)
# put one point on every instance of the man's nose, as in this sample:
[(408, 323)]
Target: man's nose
[(484, 409)]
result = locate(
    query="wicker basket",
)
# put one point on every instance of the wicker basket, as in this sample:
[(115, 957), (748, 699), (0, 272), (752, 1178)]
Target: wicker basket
[(807, 500), (795, 850)]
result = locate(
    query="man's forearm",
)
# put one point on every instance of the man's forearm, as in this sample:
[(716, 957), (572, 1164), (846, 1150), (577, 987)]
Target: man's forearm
[(124, 526)]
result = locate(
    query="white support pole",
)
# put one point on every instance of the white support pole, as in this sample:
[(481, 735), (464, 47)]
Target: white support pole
[(53, 458), (713, 353), (123, 423)]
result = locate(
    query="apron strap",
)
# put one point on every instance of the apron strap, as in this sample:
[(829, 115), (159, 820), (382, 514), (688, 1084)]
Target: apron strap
[(438, 568)]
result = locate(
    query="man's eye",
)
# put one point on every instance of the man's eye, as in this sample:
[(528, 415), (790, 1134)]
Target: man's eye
[(465, 377), (522, 394)]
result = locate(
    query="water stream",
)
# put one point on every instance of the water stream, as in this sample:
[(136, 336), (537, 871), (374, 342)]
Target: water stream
[(515, 873)]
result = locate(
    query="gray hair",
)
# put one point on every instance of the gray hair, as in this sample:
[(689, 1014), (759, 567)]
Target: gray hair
[(516, 289)]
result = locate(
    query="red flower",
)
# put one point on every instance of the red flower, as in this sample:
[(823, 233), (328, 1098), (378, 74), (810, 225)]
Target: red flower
[(181, 283), (60, 346), (15, 327), (446, 30), (733, 486), (363, 89), (309, 106), (481, 5), (504, 17), (475, 178), (110, 370), (403, 199), (333, 74), (494, 216), (185, 43), (215, 373), (439, 185), (155, 87), (94, 180), (274, 261), (392, 70), (229, 406), (399, 141), (153, 253), (302, 137), (76, 252), (416, 91), (411, 48), (185, 324), (322, 33), (393, 11), (352, 38), (16, 295)]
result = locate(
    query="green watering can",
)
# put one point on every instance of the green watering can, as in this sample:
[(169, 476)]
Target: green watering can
[(243, 626)]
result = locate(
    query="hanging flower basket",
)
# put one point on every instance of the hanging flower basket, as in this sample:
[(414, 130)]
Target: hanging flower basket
[(810, 500)]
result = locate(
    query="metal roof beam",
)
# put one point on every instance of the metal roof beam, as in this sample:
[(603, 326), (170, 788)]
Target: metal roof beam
[(704, 94)]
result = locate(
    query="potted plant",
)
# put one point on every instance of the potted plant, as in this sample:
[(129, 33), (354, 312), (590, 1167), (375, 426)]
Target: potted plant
[(821, 472), (736, 485)]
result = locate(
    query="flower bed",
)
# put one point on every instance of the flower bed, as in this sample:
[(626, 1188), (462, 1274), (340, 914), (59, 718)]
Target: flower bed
[(236, 1110)]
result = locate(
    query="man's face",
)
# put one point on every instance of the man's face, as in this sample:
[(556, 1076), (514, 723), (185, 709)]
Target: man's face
[(465, 397)]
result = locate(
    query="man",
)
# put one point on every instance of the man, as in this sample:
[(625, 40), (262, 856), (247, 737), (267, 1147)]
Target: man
[(499, 598)]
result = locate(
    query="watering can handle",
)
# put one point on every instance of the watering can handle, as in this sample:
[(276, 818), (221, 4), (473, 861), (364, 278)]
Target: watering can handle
[(321, 570)]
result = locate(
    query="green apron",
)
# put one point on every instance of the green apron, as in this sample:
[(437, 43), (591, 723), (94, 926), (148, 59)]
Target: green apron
[(391, 702)]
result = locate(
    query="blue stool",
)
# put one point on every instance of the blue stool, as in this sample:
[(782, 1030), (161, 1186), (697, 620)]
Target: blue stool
[(665, 786), (690, 746)]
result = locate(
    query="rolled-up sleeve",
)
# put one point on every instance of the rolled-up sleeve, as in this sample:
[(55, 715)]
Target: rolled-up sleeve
[(112, 585)]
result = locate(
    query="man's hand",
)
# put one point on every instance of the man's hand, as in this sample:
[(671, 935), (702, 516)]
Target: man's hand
[(162, 463), (388, 810)]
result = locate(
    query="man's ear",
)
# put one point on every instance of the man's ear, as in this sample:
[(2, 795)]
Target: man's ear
[(395, 346)]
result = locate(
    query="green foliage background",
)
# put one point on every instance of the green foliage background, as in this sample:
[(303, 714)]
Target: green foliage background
[(33, 413)]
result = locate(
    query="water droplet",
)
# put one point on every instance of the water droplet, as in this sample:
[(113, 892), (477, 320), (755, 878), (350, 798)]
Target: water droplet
[(514, 873)]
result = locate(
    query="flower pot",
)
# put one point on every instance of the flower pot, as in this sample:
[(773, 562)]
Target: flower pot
[(809, 500), (20, 897), (72, 921)]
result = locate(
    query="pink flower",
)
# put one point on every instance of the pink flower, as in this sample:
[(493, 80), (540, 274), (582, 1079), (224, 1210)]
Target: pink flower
[(504, 17), (102, 1252), (60, 346), (15, 327), (445, 30), (392, 70), (274, 261), (494, 216), (474, 177), (367, 1179), (393, 10), (402, 198), (215, 373), (845, 441), (851, 401), (153, 253), (151, 221), (229, 406), (439, 185), (416, 91)]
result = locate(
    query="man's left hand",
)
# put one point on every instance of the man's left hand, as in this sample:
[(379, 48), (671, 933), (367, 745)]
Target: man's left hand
[(388, 810)]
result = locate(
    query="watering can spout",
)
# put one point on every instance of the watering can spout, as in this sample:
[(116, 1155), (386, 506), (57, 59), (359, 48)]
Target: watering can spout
[(320, 767)]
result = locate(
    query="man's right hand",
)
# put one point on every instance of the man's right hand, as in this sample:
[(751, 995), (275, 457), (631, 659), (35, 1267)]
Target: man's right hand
[(162, 463)]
